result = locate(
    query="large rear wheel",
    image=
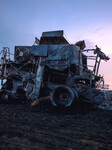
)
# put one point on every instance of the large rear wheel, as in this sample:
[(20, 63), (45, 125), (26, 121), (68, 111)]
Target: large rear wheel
[(62, 95)]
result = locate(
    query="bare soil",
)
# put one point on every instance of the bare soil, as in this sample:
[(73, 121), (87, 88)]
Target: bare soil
[(44, 127)]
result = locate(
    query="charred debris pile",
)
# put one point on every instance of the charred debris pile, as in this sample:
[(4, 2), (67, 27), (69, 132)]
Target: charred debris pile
[(54, 69)]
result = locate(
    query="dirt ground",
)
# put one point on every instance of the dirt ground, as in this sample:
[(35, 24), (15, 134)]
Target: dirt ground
[(44, 127)]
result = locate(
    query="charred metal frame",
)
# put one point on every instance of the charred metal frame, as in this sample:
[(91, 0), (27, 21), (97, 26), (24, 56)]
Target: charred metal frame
[(53, 65)]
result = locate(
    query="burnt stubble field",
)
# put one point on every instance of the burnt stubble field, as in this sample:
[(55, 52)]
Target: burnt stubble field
[(45, 127)]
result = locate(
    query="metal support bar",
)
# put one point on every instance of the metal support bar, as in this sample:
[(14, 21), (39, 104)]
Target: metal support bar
[(98, 67), (38, 79), (80, 62), (94, 69), (87, 50), (91, 58)]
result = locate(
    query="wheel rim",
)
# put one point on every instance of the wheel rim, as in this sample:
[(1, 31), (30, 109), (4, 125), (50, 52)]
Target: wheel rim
[(64, 97)]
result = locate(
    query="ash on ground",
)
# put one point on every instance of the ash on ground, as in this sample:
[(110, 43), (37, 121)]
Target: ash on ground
[(45, 127)]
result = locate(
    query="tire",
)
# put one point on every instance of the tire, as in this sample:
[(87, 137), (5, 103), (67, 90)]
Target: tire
[(4, 97), (62, 96)]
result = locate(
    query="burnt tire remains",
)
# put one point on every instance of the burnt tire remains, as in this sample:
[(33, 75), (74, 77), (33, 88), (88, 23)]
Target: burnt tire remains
[(63, 96)]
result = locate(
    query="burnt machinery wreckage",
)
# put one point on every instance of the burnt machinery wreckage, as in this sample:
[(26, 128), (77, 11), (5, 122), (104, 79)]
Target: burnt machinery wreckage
[(52, 67)]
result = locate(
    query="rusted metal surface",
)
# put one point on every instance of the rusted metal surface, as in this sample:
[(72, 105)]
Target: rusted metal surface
[(53, 65)]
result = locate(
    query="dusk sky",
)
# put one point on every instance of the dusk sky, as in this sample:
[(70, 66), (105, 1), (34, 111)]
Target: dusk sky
[(90, 20)]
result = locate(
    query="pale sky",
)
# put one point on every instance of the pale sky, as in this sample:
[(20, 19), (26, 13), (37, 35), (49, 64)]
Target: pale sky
[(89, 20)]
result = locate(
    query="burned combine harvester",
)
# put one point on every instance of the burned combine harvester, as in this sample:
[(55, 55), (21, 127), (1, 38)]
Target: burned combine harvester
[(53, 68)]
